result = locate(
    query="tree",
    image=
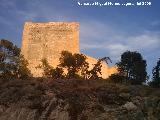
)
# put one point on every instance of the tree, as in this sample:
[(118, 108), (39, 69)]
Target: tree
[(46, 68), (49, 71), (132, 67), (8, 54), (156, 75), (76, 66), (74, 63), (12, 63), (21, 71), (96, 71), (57, 73), (116, 78)]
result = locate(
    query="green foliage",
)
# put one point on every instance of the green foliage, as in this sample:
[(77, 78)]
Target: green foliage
[(21, 70), (12, 64), (133, 67), (156, 75), (49, 71), (116, 78), (46, 68), (57, 73), (93, 73), (96, 71), (74, 63), (76, 66)]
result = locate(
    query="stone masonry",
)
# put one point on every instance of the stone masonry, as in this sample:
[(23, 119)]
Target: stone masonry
[(48, 40)]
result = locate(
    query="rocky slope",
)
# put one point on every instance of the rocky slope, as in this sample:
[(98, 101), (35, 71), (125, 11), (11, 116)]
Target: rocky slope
[(77, 100)]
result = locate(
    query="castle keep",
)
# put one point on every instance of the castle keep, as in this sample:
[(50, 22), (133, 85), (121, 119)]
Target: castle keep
[(48, 40)]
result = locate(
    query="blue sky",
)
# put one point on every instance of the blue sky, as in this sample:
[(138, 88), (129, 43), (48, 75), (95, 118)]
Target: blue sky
[(104, 31)]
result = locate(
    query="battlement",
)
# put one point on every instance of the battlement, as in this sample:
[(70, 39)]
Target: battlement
[(55, 25)]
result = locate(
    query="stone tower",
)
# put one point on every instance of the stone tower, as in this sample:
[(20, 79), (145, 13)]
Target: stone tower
[(48, 40)]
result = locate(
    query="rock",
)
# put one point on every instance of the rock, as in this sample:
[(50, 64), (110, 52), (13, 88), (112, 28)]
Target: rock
[(16, 113), (130, 106), (27, 102), (125, 96), (2, 108)]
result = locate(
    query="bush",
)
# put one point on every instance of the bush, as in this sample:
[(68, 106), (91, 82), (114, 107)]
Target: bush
[(115, 78)]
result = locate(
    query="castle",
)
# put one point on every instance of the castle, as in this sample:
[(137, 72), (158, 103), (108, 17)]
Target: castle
[(48, 40)]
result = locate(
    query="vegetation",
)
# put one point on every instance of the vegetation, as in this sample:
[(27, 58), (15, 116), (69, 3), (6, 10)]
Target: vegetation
[(96, 71), (77, 99), (156, 75), (132, 67), (116, 78), (76, 66), (21, 70), (46, 68), (51, 72), (12, 63), (74, 63)]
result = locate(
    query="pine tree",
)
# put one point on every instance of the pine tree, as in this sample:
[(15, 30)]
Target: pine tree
[(132, 67), (156, 75), (12, 63)]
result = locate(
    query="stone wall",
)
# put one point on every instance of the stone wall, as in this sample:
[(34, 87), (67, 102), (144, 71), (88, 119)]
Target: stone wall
[(105, 70), (48, 40)]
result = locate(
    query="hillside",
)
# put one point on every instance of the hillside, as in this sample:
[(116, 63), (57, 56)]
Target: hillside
[(44, 99)]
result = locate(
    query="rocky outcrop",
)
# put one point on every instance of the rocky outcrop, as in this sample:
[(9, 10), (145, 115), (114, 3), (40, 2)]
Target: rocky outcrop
[(77, 100)]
